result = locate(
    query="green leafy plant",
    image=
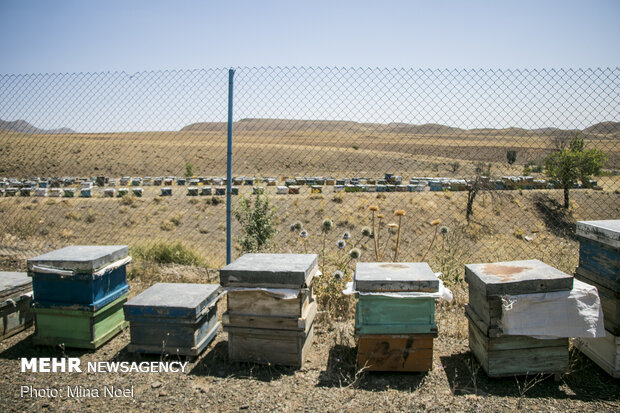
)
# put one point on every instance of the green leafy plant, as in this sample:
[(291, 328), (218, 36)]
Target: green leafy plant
[(257, 220), (574, 164), (189, 170)]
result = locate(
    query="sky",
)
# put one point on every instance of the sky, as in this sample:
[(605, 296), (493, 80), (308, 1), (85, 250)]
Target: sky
[(106, 65), (40, 36)]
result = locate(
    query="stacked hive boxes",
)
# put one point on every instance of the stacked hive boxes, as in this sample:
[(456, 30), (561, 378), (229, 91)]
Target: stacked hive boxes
[(502, 355), (599, 265), (271, 307), (395, 328), (79, 293), (173, 318), (15, 301)]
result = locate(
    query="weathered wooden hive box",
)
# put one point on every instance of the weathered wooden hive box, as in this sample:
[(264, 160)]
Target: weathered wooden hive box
[(599, 265), (395, 330), (79, 293), (15, 303), (502, 355), (82, 276), (271, 308), (176, 319)]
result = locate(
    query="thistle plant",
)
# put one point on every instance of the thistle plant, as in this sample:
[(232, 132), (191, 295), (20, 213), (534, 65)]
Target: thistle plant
[(326, 226), (399, 213), (434, 223)]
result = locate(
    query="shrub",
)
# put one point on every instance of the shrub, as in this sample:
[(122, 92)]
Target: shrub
[(257, 221), (165, 252), (189, 170)]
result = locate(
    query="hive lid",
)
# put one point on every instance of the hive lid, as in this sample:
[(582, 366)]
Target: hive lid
[(606, 232), (395, 276), (80, 258), (270, 271), (172, 300), (14, 283), (516, 277)]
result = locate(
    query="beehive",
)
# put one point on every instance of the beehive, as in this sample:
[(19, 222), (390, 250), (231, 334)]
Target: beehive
[(395, 331), (192, 191), (179, 319), (501, 355), (64, 325), (137, 191), (82, 277), (15, 303), (206, 190), (271, 308), (166, 191), (599, 265)]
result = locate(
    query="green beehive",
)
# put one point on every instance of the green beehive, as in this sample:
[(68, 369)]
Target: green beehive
[(79, 328), (384, 312)]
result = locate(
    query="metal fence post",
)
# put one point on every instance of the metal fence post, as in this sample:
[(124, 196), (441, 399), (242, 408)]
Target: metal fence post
[(231, 74)]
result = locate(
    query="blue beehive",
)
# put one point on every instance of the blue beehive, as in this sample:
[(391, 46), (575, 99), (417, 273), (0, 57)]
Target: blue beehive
[(173, 318), (82, 277)]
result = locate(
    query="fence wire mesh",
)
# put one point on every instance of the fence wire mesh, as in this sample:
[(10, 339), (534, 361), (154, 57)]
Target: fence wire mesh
[(418, 141)]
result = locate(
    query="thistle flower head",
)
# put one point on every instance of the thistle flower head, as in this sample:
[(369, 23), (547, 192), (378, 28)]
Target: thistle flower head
[(380, 216), (392, 227), (436, 222), (338, 275), (327, 224), (355, 253), (373, 208), (303, 233), (444, 230), (366, 231), (346, 236), (399, 212), (341, 244)]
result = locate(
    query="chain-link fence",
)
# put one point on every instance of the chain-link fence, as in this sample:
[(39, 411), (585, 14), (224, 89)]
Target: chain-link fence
[(321, 143)]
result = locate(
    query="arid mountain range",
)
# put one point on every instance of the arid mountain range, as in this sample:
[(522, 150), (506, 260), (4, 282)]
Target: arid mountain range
[(603, 128)]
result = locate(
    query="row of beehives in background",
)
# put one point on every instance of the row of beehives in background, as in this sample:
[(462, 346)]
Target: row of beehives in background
[(389, 183)]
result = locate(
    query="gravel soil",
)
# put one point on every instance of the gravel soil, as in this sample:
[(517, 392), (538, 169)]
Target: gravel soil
[(328, 380)]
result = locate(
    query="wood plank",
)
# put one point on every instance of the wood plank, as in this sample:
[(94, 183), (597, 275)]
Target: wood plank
[(167, 348), (516, 277), (488, 308), (407, 353), (600, 258), (488, 331), (273, 322), (260, 303), (604, 351), (517, 355), (268, 346)]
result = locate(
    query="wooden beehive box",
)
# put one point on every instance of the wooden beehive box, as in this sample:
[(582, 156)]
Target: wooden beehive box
[(173, 318), (271, 308), (599, 248), (395, 352), (79, 328), (382, 314), (82, 277), (15, 303), (517, 355), (487, 284), (604, 351)]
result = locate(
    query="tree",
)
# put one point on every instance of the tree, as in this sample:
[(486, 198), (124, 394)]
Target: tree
[(257, 221), (573, 164), (511, 156), (479, 183)]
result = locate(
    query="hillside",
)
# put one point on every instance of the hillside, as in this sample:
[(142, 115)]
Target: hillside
[(22, 126)]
